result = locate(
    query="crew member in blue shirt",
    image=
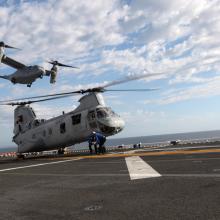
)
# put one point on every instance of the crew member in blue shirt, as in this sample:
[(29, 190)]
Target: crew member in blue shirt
[(97, 139)]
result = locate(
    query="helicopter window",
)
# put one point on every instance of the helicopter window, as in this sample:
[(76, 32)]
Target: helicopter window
[(62, 128), (36, 122), (91, 115), (76, 119), (20, 118)]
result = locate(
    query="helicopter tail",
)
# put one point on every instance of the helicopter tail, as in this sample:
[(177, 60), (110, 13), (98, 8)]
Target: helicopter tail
[(23, 117)]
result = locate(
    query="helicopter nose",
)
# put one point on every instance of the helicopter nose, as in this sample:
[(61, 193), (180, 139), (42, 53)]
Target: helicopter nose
[(121, 124), (118, 124), (111, 127)]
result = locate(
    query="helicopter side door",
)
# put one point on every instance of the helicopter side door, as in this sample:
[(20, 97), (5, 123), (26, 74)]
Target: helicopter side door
[(92, 120)]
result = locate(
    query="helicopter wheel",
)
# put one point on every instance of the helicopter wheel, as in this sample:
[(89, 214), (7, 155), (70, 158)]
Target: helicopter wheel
[(60, 151), (20, 156), (13, 80), (104, 149), (29, 85)]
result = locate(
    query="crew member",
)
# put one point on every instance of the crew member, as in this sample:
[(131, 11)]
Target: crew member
[(93, 141), (97, 139), (100, 140)]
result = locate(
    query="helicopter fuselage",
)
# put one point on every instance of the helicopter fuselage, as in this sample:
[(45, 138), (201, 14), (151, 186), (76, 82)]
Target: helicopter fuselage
[(27, 75), (65, 130)]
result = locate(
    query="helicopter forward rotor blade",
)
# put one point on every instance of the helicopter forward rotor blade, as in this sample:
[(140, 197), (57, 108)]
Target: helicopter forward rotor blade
[(40, 96), (34, 101)]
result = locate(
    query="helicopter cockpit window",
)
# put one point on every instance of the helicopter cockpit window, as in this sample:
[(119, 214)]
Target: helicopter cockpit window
[(101, 113), (104, 112), (76, 119), (62, 128)]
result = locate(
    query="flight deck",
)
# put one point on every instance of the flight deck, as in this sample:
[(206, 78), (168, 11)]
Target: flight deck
[(137, 184)]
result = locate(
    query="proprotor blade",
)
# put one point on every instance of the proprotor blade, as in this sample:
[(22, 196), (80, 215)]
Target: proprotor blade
[(55, 62), (2, 44), (95, 89)]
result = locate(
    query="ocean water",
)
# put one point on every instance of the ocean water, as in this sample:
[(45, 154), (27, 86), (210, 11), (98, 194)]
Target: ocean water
[(202, 135)]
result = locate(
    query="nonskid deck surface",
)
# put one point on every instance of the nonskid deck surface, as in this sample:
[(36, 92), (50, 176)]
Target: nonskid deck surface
[(127, 185)]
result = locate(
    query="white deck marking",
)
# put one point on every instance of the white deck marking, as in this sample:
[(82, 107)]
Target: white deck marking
[(139, 169), (37, 165)]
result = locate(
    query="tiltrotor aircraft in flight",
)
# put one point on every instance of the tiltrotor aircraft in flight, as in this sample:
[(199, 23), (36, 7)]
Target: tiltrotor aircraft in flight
[(28, 74), (35, 135)]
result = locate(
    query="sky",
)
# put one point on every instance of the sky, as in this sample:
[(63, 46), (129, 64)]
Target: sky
[(109, 40)]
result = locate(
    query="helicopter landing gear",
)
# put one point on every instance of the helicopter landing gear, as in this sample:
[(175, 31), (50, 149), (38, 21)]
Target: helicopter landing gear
[(13, 80), (102, 149), (29, 85), (41, 76), (20, 156), (61, 151)]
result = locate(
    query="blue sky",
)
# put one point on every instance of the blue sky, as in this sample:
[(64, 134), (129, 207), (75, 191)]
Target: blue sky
[(109, 40)]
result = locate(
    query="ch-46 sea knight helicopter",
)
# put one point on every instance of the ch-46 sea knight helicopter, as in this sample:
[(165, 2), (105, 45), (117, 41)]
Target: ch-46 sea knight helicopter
[(35, 135), (28, 74)]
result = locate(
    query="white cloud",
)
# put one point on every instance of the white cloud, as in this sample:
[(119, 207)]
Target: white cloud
[(206, 88), (179, 38)]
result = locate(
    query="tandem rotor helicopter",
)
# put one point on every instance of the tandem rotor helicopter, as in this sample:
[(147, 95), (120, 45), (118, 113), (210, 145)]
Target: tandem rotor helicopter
[(92, 114), (28, 74)]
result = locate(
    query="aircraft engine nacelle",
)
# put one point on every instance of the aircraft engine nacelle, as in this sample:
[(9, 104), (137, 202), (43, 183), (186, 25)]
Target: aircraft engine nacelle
[(1, 53), (53, 77), (53, 74)]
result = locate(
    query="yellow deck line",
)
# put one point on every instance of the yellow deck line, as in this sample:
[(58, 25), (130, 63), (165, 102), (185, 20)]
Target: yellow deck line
[(161, 153), (200, 151)]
